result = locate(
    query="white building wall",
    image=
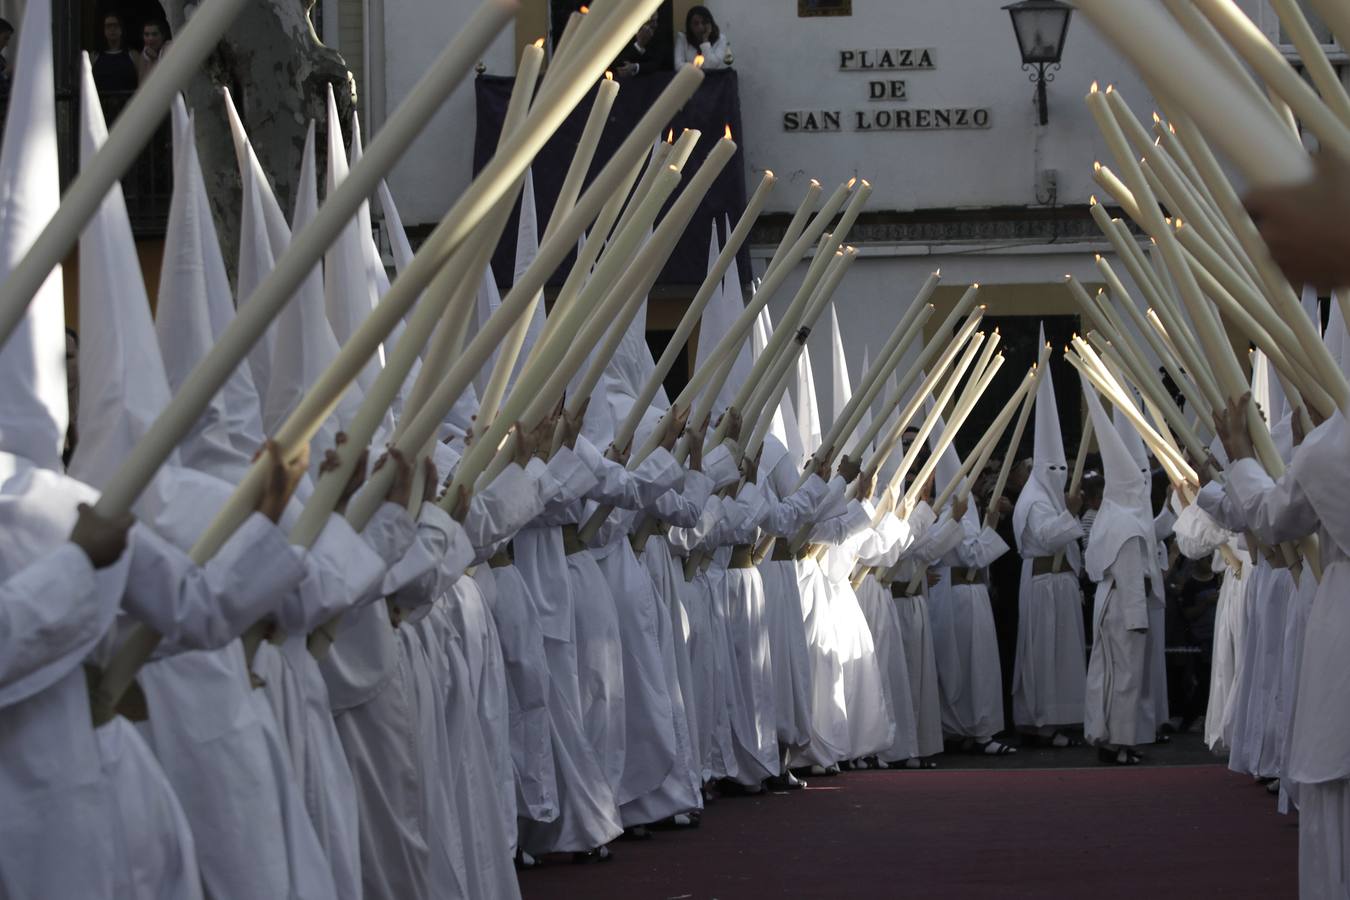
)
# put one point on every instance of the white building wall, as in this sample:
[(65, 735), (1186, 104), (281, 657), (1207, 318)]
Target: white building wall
[(438, 165)]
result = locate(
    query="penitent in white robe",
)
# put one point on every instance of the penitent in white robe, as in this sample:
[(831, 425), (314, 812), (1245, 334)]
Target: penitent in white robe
[(1311, 497), (1050, 670), (1118, 707), (57, 819), (883, 620), (964, 639), (791, 509), (871, 720)]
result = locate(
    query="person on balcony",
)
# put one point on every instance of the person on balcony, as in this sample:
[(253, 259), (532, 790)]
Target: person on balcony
[(702, 36), (155, 38), (644, 53), (116, 70)]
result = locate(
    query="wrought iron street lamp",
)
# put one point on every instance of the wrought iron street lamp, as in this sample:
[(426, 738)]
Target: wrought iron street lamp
[(1040, 26)]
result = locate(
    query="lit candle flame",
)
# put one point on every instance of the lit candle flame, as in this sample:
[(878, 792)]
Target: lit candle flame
[(866, 183), (1092, 200), (938, 273), (1093, 89), (851, 183), (726, 133), (1110, 88), (539, 44), (670, 136), (584, 10), (698, 61), (1157, 119), (815, 183), (1096, 167), (609, 76)]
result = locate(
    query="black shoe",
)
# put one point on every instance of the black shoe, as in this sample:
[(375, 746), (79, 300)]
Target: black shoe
[(636, 833)]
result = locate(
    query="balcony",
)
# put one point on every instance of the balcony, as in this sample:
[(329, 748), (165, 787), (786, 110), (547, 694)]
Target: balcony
[(715, 105)]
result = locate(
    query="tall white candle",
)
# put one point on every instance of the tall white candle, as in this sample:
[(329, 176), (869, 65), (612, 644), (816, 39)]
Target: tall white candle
[(1251, 135), (617, 172), (306, 248)]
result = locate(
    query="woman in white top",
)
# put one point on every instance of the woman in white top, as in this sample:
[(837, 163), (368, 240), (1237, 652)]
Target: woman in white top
[(702, 36)]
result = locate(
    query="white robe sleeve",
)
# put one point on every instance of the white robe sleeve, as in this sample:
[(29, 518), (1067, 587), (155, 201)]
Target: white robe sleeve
[(714, 55), (683, 507), (390, 532), (440, 555), (840, 528), (48, 615), (1127, 576), (980, 549), (944, 537), (1221, 507), (343, 570), (1053, 531), (508, 504), (787, 516), (1275, 511), (206, 607), (720, 466), (1198, 535)]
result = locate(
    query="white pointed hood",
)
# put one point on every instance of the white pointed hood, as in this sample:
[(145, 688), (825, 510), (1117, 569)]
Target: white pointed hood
[(627, 371), (348, 292), (1126, 510), (378, 279), (865, 421), (1049, 467), (723, 308), (489, 296), (841, 385), (124, 387), (305, 345), (808, 411), (195, 307), (948, 465), (263, 237), (33, 403), (787, 439)]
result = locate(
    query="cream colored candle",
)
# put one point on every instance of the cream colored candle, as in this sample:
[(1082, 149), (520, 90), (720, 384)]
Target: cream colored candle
[(694, 313), (787, 326), (762, 412), (544, 372), (666, 236), (929, 422), (1254, 47), (906, 330), (796, 226), (946, 350), (978, 458), (1002, 483), (949, 433), (544, 380), (508, 352), (619, 171), (306, 248), (1194, 396), (1250, 134)]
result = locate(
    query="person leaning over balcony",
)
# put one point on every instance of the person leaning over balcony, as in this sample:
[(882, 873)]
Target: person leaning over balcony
[(155, 37), (702, 36), (115, 68)]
